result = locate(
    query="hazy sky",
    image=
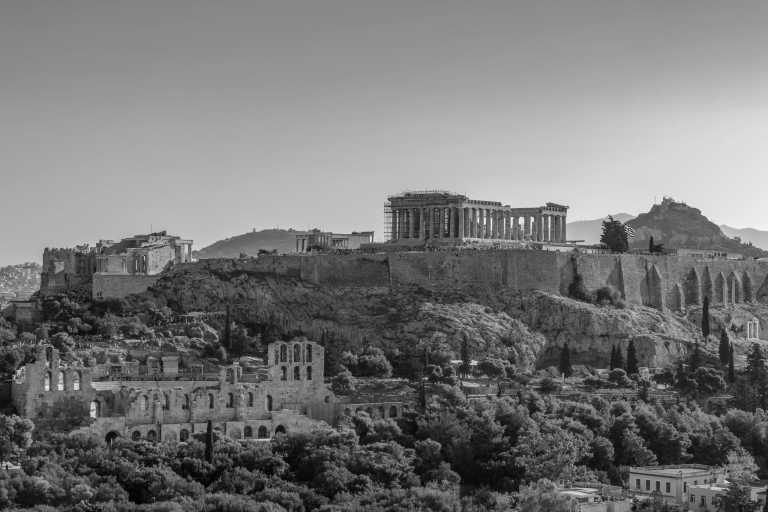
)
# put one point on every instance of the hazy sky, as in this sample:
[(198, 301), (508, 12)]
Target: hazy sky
[(210, 118)]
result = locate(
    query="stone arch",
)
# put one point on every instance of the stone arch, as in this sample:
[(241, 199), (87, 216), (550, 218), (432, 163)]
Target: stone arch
[(111, 436), (183, 435), (248, 431), (677, 298), (693, 287), (393, 412), (151, 436), (735, 292), (720, 295), (263, 433), (280, 430), (136, 435), (746, 281), (706, 284)]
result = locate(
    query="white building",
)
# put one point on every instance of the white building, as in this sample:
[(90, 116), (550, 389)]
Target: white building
[(672, 483)]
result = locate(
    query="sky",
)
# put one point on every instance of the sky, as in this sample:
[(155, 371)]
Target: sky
[(210, 119)]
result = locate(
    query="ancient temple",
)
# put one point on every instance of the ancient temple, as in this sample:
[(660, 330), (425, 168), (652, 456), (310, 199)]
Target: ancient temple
[(429, 215)]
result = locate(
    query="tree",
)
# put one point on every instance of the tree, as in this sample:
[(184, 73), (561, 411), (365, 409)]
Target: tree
[(705, 317), (724, 350), (15, 435), (612, 363), (465, 357), (631, 358), (694, 362), (209, 443), (650, 245), (565, 361), (737, 499), (615, 235), (731, 368)]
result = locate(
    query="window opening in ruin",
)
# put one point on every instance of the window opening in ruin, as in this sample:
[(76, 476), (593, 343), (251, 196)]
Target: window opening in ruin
[(47, 382), (269, 402), (95, 409), (283, 353), (143, 403), (296, 373), (309, 353), (263, 432), (210, 400), (296, 353), (60, 382), (76, 381), (248, 432), (309, 373), (230, 400), (250, 399), (283, 373), (393, 412), (183, 434)]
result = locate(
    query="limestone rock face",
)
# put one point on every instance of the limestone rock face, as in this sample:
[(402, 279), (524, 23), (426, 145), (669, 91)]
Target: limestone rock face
[(591, 331), (527, 327)]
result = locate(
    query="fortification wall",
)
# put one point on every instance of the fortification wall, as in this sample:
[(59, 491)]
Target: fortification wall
[(111, 286), (657, 281)]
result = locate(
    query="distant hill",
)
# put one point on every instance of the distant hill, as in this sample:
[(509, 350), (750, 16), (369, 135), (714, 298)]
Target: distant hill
[(280, 240), (590, 230), (19, 281), (757, 237), (677, 225)]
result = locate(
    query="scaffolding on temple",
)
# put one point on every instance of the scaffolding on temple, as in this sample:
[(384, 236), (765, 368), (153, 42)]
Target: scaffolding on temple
[(388, 221)]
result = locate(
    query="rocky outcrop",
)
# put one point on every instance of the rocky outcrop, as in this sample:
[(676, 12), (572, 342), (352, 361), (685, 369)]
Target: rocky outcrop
[(528, 327)]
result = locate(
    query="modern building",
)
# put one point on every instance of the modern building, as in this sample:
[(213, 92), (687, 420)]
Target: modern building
[(415, 217), (707, 497), (672, 483), (317, 240)]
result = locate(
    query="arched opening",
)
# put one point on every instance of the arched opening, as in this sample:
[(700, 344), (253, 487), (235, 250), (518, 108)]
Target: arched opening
[(297, 353), (250, 399), (283, 353), (721, 290), (280, 430), (47, 381), (95, 409), (143, 403), (60, 382), (309, 373), (269, 402), (151, 436), (187, 403), (382, 412), (748, 292), (230, 400), (393, 412), (277, 356), (76, 381), (735, 294), (296, 373), (136, 435), (166, 401), (110, 437), (183, 435), (210, 400), (263, 433), (693, 288), (248, 432), (309, 354)]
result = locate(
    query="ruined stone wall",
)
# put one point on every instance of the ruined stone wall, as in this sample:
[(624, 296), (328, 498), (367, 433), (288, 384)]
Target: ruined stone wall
[(110, 286)]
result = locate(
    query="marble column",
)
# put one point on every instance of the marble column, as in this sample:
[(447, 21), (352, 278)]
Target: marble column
[(563, 222), (393, 235), (474, 223), (545, 229), (461, 222)]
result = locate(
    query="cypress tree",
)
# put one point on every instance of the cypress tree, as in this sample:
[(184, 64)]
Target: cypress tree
[(695, 360), (612, 363), (705, 318), (565, 361), (465, 360), (209, 443), (731, 369), (725, 347), (650, 245), (631, 366), (619, 358)]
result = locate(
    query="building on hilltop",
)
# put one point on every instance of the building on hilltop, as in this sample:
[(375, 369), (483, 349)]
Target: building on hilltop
[(413, 218), (327, 241), (157, 400), (113, 269)]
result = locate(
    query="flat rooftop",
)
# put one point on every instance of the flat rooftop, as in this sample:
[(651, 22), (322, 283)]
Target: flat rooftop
[(673, 471)]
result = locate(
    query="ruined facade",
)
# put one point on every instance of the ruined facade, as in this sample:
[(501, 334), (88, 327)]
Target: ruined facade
[(157, 400), (113, 269), (327, 241), (429, 215)]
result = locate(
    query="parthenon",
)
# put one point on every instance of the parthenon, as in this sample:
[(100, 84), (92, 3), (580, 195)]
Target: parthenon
[(429, 215)]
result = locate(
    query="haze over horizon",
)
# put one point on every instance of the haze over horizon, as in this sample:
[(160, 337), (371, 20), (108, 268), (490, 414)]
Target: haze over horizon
[(210, 119)]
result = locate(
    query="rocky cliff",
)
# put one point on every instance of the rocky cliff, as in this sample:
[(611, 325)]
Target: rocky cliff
[(528, 327)]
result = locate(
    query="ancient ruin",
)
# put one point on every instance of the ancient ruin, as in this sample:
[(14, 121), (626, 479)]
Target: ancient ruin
[(445, 216)]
